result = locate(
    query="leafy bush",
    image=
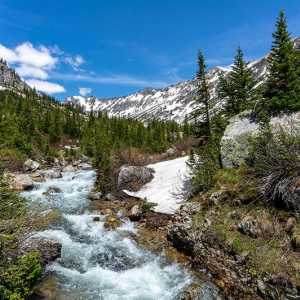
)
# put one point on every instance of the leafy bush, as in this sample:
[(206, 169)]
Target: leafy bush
[(275, 163), (18, 279)]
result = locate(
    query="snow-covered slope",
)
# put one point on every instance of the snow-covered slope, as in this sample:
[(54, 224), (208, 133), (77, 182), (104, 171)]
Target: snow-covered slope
[(167, 187), (174, 102), (171, 103)]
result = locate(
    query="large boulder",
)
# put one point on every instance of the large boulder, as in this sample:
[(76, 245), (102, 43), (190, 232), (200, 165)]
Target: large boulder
[(30, 165), (235, 141), (49, 250), (22, 182), (133, 177)]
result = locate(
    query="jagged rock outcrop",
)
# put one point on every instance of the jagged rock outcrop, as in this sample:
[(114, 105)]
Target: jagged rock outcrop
[(9, 79)]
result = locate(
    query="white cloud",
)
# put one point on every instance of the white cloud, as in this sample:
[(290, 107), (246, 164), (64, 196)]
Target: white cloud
[(75, 62), (84, 91), (46, 86), (7, 54), (33, 72), (27, 54)]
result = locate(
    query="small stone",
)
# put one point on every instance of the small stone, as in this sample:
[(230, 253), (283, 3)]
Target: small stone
[(296, 240), (94, 196), (30, 165), (96, 219), (52, 190), (290, 224), (135, 213)]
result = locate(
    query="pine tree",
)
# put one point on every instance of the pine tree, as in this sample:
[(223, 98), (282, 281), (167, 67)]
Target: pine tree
[(201, 115), (238, 88), (282, 91)]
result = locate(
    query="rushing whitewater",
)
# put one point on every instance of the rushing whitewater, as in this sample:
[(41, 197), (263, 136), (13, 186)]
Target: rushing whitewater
[(97, 263)]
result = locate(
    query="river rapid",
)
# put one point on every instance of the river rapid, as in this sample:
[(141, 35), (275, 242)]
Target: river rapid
[(97, 263)]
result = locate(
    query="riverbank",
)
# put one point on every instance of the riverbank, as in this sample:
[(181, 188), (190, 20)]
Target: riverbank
[(100, 253)]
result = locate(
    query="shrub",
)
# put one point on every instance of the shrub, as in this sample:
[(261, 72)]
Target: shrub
[(18, 279), (275, 163)]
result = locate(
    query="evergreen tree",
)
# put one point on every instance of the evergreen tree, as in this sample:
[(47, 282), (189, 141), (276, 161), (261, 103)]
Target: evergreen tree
[(282, 90), (238, 88), (201, 114)]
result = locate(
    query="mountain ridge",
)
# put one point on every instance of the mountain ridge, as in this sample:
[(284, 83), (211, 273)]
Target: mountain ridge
[(174, 102)]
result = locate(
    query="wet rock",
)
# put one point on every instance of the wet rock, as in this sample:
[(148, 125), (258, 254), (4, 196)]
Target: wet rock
[(133, 177), (112, 222), (290, 224), (85, 166), (94, 196), (84, 159), (135, 213), (30, 165), (69, 168), (51, 174), (96, 219), (49, 250), (22, 182), (201, 292), (52, 190)]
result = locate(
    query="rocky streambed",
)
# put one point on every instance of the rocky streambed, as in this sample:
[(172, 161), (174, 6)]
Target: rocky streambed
[(101, 253)]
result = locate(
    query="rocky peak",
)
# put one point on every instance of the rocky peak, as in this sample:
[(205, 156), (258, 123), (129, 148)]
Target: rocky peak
[(9, 79)]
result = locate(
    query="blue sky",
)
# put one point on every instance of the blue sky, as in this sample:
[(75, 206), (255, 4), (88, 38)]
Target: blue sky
[(112, 48)]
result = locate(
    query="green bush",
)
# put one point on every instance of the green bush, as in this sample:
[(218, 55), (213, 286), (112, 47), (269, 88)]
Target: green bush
[(275, 162), (17, 280)]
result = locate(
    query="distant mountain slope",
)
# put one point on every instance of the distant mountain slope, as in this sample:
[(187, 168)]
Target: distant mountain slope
[(174, 102)]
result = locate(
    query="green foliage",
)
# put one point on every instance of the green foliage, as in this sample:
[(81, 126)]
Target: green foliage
[(282, 89), (18, 279), (201, 115), (238, 87), (204, 163)]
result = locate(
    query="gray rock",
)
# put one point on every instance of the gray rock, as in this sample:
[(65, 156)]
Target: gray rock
[(53, 190), (135, 213), (30, 165), (110, 197), (171, 151), (95, 196), (85, 166), (49, 249), (218, 197), (69, 168), (22, 182), (51, 174), (132, 177), (235, 141), (249, 226), (204, 291)]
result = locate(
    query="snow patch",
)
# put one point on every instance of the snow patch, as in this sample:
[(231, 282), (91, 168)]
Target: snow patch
[(167, 188)]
